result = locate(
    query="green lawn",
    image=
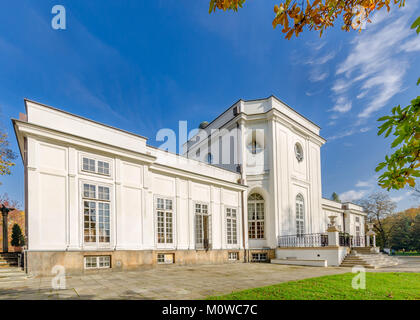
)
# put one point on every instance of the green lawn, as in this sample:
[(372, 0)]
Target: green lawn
[(379, 286)]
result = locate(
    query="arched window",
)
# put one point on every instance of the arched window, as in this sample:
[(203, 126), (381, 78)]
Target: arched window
[(300, 215), (209, 158), (255, 216)]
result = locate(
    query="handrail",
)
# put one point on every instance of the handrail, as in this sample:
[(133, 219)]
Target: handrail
[(307, 240)]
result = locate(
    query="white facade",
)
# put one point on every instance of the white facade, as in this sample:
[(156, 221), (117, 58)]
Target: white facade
[(94, 188), (268, 134)]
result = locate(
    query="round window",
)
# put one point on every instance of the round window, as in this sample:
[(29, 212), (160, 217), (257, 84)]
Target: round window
[(298, 152)]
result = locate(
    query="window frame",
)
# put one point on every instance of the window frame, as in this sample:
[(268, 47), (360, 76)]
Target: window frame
[(299, 220), (259, 256), (197, 245), (255, 221), (232, 230), (164, 254), (97, 258), (231, 254), (97, 159), (110, 202), (173, 211)]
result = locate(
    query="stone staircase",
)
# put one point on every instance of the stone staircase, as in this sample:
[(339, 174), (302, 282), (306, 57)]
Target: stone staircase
[(8, 260), (368, 259), (9, 269)]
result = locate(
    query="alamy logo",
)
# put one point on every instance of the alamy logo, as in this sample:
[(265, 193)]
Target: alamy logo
[(59, 281), (59, 20), (359, 280)]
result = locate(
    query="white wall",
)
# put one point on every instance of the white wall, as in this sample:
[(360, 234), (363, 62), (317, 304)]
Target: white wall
[(334, 256), (55, 146), (55, 207)]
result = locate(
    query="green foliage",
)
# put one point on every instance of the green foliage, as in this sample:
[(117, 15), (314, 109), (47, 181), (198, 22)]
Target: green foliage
[(379, 286), (6, 155), (416, 25), (415, 233), (400, 234), (402, 167), (335, 197), (17, 237)]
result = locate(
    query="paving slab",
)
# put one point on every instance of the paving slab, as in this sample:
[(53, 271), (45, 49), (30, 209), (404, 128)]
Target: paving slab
[(170, 282)]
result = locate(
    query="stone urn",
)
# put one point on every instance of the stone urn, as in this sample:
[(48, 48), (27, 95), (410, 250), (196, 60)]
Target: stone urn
[(333, 226)]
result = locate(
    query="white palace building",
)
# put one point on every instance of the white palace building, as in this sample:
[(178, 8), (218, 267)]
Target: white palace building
[(246, 189)]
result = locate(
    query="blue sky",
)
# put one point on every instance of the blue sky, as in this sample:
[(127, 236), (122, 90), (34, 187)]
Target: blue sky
[(145, 65)]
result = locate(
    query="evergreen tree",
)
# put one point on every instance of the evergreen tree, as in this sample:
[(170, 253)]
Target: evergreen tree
[(335, 197), (17, 237)]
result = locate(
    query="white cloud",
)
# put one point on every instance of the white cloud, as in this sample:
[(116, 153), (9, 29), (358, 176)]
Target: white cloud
[(352, 195), (318, 76), (397, 199), (411, 45), (374, 64), (326, 58), (364, 184), (342, 107), (402, 197), (341, 135), (321, 60), (363, 130)]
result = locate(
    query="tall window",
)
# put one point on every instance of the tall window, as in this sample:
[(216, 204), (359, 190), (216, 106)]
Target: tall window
[(202, 226), (96, 213), (255, 216), (209, 158), (300, 215), (164, 214), (231, 226)]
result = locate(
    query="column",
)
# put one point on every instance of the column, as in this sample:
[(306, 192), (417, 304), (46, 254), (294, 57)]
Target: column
[(367, 241), (5, 235)]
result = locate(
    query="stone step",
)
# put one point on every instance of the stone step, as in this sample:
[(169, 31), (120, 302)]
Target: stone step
[(8, 255), (350, 265), (364, 257), (10, 269), (8, 259), (19, 278), (12, 274), (8, 265), (369, 259)]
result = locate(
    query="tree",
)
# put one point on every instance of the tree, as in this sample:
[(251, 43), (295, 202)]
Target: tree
[(6, 155), (9, 203), (318, 15), (335, 197), (403, 166), (415, 233), (17, 237), (415, 192), (378, 206), (400, 235)]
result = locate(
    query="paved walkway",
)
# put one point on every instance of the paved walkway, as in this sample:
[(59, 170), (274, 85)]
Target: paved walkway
[(408, 264), (165, 282), (174, 282)]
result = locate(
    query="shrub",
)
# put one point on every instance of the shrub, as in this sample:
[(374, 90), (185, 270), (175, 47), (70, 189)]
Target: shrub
[(17, 237)]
